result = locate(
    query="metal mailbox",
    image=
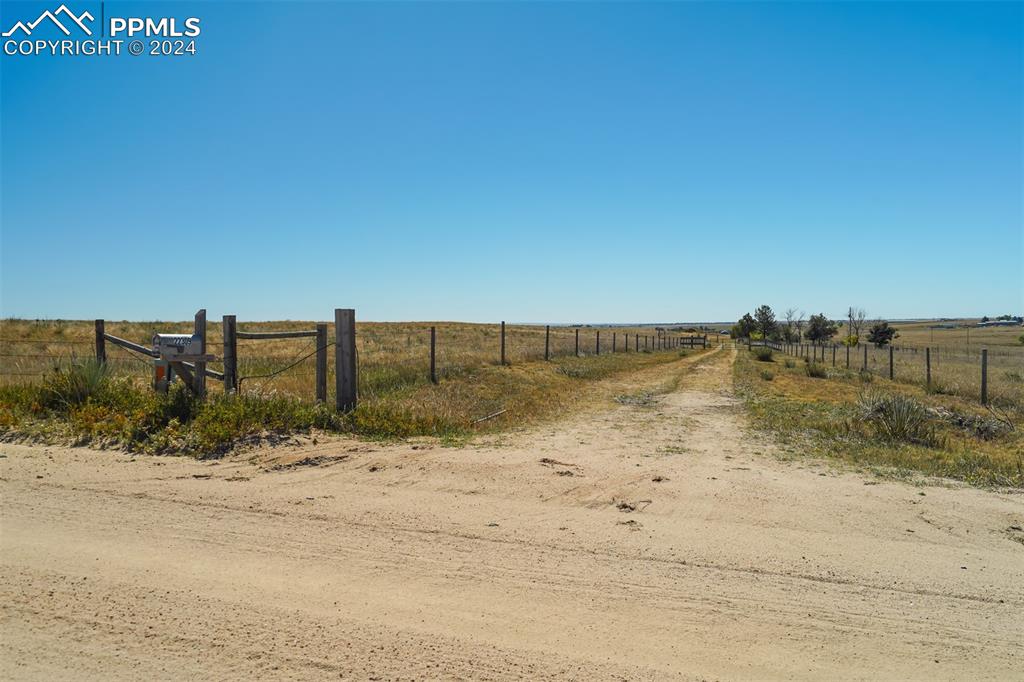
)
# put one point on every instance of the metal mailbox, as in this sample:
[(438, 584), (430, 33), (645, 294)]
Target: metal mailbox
[(178, 347)]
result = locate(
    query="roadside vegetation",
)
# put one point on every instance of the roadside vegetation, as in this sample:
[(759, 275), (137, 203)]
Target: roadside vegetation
[(892, 428), (84, 402)]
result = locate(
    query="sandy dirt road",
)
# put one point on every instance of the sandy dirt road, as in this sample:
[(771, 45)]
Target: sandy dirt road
[(650, 540)]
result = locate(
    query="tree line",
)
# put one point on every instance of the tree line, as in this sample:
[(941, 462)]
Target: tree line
[(817, 329)]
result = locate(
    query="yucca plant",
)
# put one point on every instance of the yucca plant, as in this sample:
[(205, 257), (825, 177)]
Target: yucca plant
[(83, 379), (898, 417)]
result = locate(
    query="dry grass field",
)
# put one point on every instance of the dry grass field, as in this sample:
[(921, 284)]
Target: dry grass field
[(956, 350), (396, 396)]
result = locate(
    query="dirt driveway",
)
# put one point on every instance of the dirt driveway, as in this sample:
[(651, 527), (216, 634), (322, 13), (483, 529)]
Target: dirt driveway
[(652, 539)]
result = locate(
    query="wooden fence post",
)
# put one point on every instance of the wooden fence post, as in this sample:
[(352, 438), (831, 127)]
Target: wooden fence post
[(547, 342), (984, 376), (598, 344), (928, 367), (614, 334), (865, 358), (503, 342), (321, 363), (433, 355), (577, 342), (891, 374), (345, 359), (636, 342), (101, 343), (228, 332), (199, 378), (847, 357), (833, 355)]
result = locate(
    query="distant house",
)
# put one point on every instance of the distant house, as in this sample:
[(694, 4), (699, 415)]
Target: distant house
[(999, 323)]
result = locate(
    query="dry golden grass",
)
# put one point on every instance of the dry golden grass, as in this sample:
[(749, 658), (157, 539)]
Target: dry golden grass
[(391, 354), (396, 396), (819, 416)]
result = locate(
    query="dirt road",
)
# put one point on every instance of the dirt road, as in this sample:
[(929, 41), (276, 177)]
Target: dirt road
[(655, 539)]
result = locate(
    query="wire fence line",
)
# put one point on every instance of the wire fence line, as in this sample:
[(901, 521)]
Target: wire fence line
[(989, 375), (390, 355)]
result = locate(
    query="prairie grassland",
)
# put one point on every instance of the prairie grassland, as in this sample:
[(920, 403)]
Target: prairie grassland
[(889, 426), (955, 371), (963, 334), (391, 355), (396, 396)]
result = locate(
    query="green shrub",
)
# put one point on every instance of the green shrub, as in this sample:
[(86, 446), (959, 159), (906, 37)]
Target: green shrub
[(66, 388), (763, 354), (898, 417), (790, 363), (816, 371), (767, 375)]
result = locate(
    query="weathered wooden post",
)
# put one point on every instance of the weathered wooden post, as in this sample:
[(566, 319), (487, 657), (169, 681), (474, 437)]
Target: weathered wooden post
[(577, 341), (984, 376), (321, 363), (345, 359), (597, 344), (865, 358), (101, 343), (613, 341), (199, 378), (833, 355), (503, 342), (229, 331), (891, 374), (433, 355), (847, 357), (547, 342), (928, 367)]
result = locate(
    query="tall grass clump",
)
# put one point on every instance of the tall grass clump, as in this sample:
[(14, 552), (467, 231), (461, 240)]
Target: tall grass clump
[(899, 418), (816, 371), (75, 384), (763, 354)]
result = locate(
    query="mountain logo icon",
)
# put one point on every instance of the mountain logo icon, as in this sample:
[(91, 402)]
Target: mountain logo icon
[(69, 16)]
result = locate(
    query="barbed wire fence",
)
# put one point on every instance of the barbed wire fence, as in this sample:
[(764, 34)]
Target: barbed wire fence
[(989, 375), (387, 356)]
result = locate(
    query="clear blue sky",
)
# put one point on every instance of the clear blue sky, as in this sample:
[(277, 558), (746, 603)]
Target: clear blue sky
[(528, 162)]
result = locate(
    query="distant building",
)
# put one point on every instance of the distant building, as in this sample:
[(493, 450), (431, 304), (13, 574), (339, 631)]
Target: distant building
[(999, 323)]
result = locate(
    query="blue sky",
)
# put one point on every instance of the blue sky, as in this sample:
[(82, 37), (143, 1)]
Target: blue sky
[(521, 161)]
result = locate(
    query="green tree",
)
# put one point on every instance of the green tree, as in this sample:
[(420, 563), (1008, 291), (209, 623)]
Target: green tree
[(765, 318), (881, 334), (744, 328), (820, 329)]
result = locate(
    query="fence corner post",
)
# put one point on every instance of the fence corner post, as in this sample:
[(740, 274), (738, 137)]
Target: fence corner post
[(345, 359), (101, 343), (547, 342), (321, 363), (229, 333), (199, 378)]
